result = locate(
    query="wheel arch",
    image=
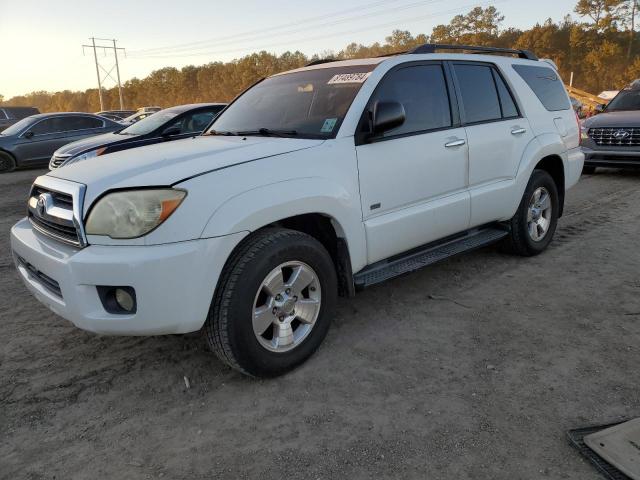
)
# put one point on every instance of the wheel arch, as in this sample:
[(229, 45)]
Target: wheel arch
[(554, 166), (317, 206), (11, 155), (330, 234), (548, 153)]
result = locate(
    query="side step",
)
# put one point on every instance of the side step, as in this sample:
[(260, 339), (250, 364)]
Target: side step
[(429, 254)]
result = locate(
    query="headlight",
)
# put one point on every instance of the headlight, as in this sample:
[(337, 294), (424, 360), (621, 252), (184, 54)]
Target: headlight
[(132, 213), (85, 156), (583, 133)]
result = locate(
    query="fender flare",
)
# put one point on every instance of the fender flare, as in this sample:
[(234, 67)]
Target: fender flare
[(542, 146), (289, 198)]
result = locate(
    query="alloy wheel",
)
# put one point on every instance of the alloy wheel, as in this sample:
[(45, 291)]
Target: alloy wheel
[(539, 214), (286, 306)]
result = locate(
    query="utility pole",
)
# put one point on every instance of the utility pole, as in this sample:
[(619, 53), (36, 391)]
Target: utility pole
[(107, 73), (95, 56), (115, 54)]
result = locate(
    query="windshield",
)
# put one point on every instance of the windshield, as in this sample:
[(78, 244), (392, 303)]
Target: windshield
[(148, 124), (625, 100), (306, 104), (17, 127)]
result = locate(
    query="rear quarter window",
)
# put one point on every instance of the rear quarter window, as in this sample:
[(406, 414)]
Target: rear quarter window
[(547, 86)]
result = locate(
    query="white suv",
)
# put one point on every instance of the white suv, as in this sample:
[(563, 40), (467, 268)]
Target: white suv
[(312, 183)]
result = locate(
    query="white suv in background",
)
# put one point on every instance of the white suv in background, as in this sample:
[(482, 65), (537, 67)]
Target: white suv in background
[(312, 183)]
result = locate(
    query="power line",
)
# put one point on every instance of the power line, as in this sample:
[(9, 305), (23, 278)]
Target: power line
[(192, 50), (269, 29), (344, 32), (99, 66)]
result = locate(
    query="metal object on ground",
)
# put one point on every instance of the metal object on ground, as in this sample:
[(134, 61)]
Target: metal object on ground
[(577, 438), (620, 446)]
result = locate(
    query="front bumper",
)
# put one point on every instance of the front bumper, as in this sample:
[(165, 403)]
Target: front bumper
[(617, 158), (174, 283)]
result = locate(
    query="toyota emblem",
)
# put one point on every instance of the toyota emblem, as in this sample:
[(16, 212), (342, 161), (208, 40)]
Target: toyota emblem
[(42, 204)]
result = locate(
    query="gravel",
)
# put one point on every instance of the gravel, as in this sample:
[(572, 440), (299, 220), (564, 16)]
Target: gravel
[(473, 368)]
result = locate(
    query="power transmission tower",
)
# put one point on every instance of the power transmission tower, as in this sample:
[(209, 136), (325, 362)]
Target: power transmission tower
[(107, 73)]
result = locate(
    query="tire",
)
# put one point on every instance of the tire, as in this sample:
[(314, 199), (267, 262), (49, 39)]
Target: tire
[(587, 170), (521, 239), (7, 163), (242, 291)]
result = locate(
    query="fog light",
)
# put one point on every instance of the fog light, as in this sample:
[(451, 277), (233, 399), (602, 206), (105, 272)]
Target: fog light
[(118, 300), (125, 300)]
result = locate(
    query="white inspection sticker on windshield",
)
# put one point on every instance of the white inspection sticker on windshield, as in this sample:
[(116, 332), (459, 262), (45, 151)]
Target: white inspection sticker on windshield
[(349, 78)]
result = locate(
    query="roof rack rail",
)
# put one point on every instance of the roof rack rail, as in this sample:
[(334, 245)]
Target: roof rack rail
[(392, 54), (321, 61), (432, 47)]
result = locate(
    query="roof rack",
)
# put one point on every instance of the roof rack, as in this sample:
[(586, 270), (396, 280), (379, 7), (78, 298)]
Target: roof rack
[(321, 61), (432, 47)]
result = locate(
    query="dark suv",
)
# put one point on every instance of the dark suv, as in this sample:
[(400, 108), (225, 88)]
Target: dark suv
[(612, 138), (11, 115)]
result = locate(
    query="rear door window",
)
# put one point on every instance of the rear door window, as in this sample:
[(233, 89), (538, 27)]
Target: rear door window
[(509, 109), (83, 123), (480, 102), (547, 86), (67, 123), (422, 91)]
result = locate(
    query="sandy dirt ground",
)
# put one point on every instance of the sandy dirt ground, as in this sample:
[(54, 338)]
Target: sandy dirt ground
[(473, 368)]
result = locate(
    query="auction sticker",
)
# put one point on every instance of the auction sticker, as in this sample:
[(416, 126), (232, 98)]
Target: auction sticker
[(329, 125), (349, 78)]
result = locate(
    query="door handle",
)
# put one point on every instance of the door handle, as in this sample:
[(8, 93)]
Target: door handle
[(518, 131), (455, 143)]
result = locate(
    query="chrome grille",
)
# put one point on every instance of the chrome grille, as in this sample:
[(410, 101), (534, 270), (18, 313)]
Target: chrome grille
[(616, 136), (58, 160), (53, 210)]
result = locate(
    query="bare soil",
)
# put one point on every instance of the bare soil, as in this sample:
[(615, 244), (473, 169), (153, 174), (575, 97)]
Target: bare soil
[(473, 368)]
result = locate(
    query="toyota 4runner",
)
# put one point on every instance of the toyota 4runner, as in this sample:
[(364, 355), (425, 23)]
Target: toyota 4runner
[(313, 183)]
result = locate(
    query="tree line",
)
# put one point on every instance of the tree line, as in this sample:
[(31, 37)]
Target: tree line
[(600, 48)]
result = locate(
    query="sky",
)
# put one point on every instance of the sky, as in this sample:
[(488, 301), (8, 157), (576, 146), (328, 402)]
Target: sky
[(41, 41)]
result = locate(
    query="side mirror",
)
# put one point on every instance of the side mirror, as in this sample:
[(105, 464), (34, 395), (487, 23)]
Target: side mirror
[(599, 108), (28, 134), (387, 116), (170, 131)]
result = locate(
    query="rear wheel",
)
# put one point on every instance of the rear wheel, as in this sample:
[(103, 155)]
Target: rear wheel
[(274, 302), (533, 225), (7, 163), (587, 170)]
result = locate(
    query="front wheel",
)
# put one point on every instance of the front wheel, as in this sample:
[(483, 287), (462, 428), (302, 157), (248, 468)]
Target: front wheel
[(7, 163), (273, 305), (533, 225)]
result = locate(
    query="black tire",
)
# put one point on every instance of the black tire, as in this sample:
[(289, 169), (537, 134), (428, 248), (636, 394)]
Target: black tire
[(519, 240), (587, 170), (229, 329), (7, 163)]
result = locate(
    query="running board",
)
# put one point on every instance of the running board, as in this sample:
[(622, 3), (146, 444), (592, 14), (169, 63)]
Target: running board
[(427, 255)]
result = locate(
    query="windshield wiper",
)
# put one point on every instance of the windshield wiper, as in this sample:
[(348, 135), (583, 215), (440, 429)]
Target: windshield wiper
[(267, 132)]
